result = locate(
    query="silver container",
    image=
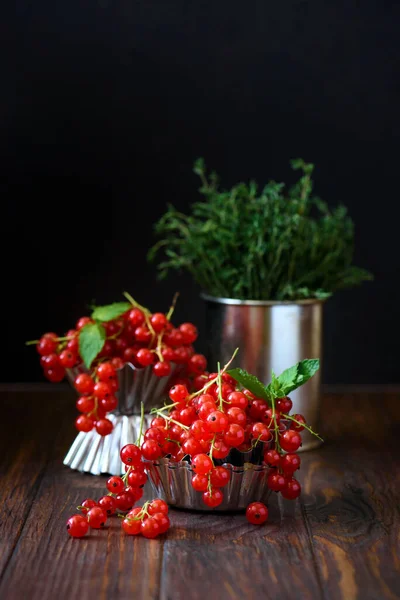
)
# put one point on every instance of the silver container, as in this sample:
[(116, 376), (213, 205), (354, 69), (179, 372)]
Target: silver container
[(172, 482), (271, 336), (96, 454)]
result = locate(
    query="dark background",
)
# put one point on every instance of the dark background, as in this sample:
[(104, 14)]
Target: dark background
[(104, 108)]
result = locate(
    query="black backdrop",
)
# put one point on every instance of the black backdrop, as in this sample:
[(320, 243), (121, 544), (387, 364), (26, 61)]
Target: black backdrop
[(104, 107)]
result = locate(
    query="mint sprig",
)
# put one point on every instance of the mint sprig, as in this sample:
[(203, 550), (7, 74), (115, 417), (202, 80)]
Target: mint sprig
[(91, 341), (111, 311)]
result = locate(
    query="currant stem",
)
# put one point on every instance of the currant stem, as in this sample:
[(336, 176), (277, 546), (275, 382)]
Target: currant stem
[(134, 303), (209, 383), (137, 443), (302, 425), (165, 407), (221, 400), (172, 307), (276, 428), (159, 411), (60, 339)]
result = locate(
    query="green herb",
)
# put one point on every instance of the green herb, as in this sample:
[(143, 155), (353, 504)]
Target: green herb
[(111, 311), (91, 341), (260, 244)]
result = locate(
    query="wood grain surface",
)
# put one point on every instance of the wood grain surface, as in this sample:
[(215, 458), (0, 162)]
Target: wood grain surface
[(340, 541)]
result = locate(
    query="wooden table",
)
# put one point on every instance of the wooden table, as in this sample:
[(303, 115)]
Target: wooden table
[(340, 541)]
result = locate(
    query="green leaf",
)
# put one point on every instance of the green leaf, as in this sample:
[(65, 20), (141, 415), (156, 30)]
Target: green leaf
[(111, 311), (91, 341), (251, 383), (295, 376)]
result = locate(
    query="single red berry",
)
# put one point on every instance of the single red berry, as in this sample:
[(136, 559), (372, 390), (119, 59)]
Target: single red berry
[(82, 322), (158, 322), (213, 498), (104, 427), (136, 317), (68, 359), (182, 354), (257, 513), (47, 344), (290, 440), (234, 436), (108, 504), (189, 332), (173, 338), (200, 483), (55, 375), (156, 434), (205, 399), (257, 408), (163, 521), (158, 506), (187, 416), (115, 485), (192, 447), (296, 426), (272, 458), (202, 464), (150, 528), (261, 432), (178, 393), (84, 384), (168, 353), (102, 390), (130, 525), (106, 371), (289, 463), (50, 361), (270, 418), (158, 422), (217, 421), (142, 334), (151, 450), (292, 489), (199, 382), (87, 505), (84, 423), (197, 364), (237, 415), (275, 481), (109, 404), (85, 404), (130, 454), (162, 369), (200, 431), (226, 390), (96, 517), (124, 501), (205, 410), (284, 405), (77, 526), (137, 478), (220, 449), (220, 477), (144, 357), (117, 362)]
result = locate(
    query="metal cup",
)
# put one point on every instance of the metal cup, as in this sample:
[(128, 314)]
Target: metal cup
[(271, 336)]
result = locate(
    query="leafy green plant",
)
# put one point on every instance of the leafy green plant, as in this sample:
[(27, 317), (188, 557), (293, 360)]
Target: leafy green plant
[(251, 244)]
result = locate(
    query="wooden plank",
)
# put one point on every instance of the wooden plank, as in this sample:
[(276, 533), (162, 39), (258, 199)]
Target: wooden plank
[(28, 431), (350, 496)]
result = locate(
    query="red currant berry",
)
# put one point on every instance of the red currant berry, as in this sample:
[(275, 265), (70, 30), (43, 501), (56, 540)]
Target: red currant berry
[(82, 322), (124, 501), (199, 381), (151, 450), (51, 361), (296, 426), (217, 421), (289, 463), (269, 418), (163, 521), (168, 353), (220, 449), (106, 371), (77, 526), (117, 363), (292, 489), (200, 483), (102, 390), (156, 434), (257, 408), (162, 369), (145, 357), (158, 422), (187, 416), (135, 492), (137, 478), (206, 399), (202, 464), (272, 458), (84, 384), (189, 332), (108, 504), (261, 432), (109, 404), (220, 477), (257, 513), (130, 455), (136, 317), (178, 393), (290, 440), (87, 505), (234, 436), (130, 525), (104, 427), (47, 345), (275, 481), (68, 359), (213, 498), (96, 517), (158, 506), (192, 447), (200, 431), (158, 322), (84, 423), (205, 410), (150, 528), (55, 375), (173, 338), (142, 334), (197, 364), (115, 485), (284, 405), (237, 415)]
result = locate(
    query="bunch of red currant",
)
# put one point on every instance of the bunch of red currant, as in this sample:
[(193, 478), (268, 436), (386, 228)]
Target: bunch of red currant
[(123, 492), (205, 426), (102, 344)]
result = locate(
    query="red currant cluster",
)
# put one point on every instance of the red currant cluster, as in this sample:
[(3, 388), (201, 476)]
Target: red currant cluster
[(149, 520), (203, 427), (136, 336)]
